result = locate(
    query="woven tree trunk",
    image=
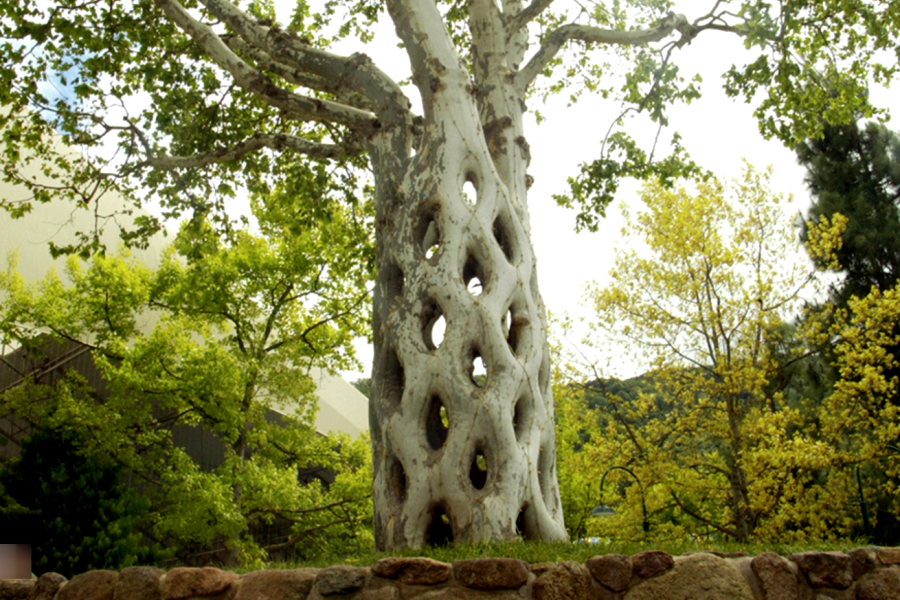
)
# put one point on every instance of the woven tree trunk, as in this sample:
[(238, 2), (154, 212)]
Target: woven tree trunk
[(457, 456)]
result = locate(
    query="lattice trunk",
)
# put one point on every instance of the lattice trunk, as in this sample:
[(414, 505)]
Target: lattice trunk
[(456, 456)]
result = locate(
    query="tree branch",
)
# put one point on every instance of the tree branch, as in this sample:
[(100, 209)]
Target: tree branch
[(251, 144), (257, 83), (528, 14), (285, 47), (595, 35)]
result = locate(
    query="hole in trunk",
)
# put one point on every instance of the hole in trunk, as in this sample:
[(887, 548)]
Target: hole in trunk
[(522, 414), (503, 236), (433, 326), (544, 372), (478, 472), (470, 188), (477, 368), (437, 424), (398, 483), (428, 231), (515, 328), (474, 276), (546, 459), (440, 527), (393, 282), (525, 524), (394, 380)]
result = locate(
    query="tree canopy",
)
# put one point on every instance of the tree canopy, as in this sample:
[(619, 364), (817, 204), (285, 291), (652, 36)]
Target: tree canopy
[(221, 338), (188, 102)]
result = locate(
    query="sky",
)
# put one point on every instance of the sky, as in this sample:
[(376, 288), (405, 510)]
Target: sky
[(717, 131)]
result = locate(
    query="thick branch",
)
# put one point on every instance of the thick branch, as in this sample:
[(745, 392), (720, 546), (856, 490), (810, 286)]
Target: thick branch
[(254, 81), (356, 72), (594, 35), (292, 74), (251, 144)]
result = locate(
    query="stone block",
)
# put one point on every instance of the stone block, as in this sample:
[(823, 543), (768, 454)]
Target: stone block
[(412, 571), (93, 585), (613, 571), (491, 573), (341, 579), (889, 556), (883, 584), (276, 584), (695, 577), (567, 580), (825, 569), (862, 560), (46, 586), (138, 583), (777, 580), (188, 582), (651, 563), (15, 589)]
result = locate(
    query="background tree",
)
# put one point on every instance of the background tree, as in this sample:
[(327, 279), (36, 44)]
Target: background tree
[(204, 97), (854, 170), (227, 328), (859, 414), (701, 293), (75, 509)]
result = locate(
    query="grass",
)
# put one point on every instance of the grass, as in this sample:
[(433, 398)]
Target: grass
[(538, 552)]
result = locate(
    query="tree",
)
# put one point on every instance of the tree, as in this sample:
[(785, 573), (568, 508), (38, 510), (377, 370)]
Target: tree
[(702, 292), (203, 97), (239, 321), (859, 415), (855, 171), (74, 508)]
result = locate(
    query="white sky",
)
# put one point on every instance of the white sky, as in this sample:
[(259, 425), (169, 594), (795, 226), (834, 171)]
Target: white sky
[(717, 131)]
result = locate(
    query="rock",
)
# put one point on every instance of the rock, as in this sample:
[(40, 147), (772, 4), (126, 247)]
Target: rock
[(742, 564), (15, 589), (46, 587), (825, 569), (456, 592), (187, 582), (412, 571), (695, 577), (611, 570), (491, 573), (777, 580), (883, 584), (138, 583), (93, 585), (341, 579), (862, 560), (276, 584), (889, 556), (651, 563), (387, 592), (539, 568), (567, 580)]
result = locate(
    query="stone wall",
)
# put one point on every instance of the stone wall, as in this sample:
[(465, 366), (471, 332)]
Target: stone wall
[(862, 574)]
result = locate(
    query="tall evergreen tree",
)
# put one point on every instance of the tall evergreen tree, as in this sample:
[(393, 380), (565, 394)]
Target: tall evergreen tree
[(855, 171)]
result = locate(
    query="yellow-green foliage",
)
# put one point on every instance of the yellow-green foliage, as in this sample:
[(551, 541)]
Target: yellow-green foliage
[(702, 294)]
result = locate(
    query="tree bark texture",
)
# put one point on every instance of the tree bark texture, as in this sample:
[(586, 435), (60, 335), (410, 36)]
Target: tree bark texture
[(455, 456)]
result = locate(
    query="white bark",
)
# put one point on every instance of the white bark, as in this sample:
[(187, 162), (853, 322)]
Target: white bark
[(428, 484)]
